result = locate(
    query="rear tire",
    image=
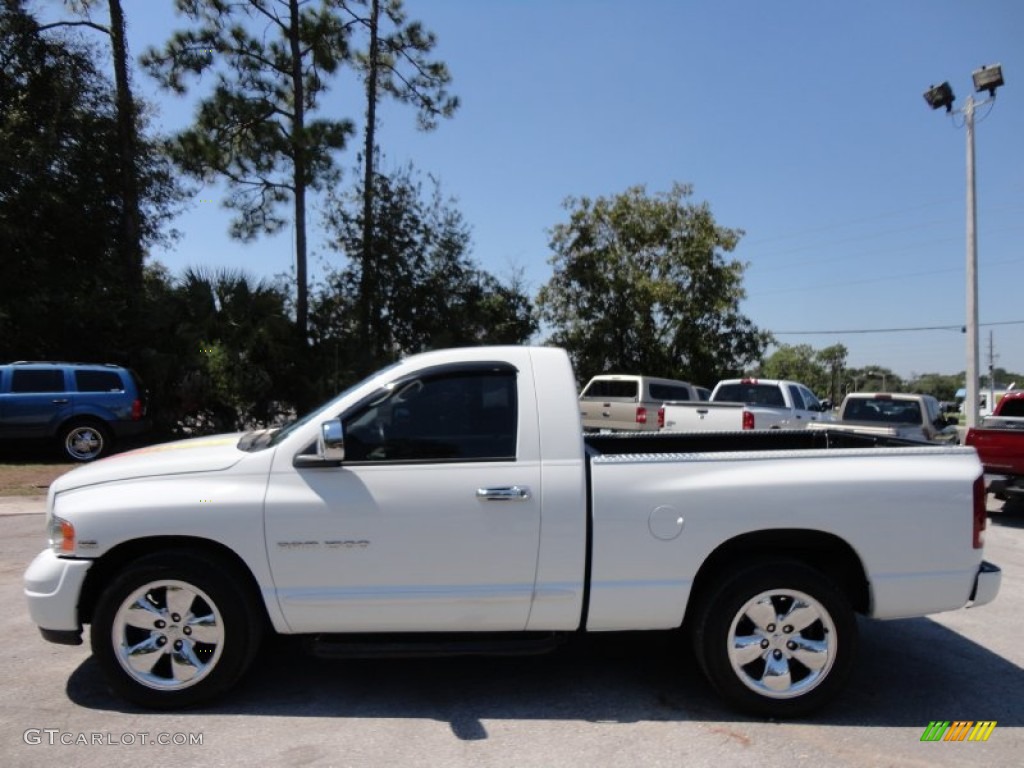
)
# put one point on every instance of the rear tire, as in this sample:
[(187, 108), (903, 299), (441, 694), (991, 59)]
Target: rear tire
[(175, 629), (776, 639)]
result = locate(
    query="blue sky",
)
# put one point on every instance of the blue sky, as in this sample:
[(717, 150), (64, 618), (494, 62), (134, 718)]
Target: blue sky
[(801, 122)]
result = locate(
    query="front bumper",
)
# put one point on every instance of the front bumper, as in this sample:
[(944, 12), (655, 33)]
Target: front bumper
[(986, 584), (52, 587)]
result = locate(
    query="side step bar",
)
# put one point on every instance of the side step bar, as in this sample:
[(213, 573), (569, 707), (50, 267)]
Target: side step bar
[(432, 644)]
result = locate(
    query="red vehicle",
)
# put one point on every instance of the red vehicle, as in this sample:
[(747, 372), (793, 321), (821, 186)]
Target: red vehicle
[(999, 442)]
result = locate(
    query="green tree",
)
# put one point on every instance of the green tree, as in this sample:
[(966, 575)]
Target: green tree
[(834, 360), (128, 140), (941, 386), (873, 378), (819, 369), (62, 287), (1003, 378), (641, 284), (223, 355), (270, 60), (249, 373), (395, 64), (432, 294), (798, 363)]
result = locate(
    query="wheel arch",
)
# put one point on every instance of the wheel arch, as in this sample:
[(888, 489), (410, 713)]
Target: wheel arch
[(823, 551), (89, 418), (108, 566)]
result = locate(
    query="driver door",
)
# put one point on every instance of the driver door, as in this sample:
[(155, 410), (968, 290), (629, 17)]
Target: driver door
[(431, 523)]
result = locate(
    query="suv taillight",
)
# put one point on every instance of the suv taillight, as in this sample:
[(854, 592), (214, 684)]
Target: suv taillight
[(980, 512), (661, 417), (748, 420), (641, 415), (136, 409)]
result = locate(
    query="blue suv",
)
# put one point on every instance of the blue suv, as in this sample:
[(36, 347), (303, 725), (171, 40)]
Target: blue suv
[(84, 407)]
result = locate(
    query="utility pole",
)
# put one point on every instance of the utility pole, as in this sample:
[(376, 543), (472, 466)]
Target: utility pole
[(972, 272), (988, 78)]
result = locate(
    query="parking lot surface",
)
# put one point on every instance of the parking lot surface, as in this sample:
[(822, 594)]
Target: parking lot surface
[(634, 700)]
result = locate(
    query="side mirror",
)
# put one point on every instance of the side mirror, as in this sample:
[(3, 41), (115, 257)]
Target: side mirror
[(330, 448), (331, 443)]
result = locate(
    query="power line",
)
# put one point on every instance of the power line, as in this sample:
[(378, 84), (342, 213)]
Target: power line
[(759, 259), (959, 328), (851, 222), (801, 234), (870, 280)]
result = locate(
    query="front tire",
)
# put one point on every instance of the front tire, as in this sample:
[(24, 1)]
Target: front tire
[(175, 629), (776, 639)]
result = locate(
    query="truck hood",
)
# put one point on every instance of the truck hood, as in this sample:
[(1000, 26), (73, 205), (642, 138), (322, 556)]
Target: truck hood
[(200, 454)]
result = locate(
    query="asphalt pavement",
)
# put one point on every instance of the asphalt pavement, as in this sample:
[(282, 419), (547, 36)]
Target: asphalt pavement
[(621, 700)]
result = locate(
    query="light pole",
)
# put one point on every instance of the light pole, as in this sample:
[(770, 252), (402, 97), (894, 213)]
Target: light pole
[(988, 78)]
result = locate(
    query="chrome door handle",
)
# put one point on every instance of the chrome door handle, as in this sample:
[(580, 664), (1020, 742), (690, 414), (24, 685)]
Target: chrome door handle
[(508, 493), (60, 401)]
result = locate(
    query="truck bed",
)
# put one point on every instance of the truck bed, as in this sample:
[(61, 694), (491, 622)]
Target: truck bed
[(728, 489)]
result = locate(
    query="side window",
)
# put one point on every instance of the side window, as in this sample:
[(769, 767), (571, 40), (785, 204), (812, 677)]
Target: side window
[(612, 388), (665, 392), (1013, 407), (98, 381), (798, 400), (466, 416), (49, 380), (811, 402)]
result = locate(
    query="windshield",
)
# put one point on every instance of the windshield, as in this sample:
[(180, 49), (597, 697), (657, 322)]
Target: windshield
[(265, 438)]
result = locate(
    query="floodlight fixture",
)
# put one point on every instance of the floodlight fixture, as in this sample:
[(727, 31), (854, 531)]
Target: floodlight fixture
[(939, 96), (988, 78)]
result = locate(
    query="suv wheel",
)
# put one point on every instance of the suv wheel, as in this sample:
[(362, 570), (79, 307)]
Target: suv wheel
[(84, 441)]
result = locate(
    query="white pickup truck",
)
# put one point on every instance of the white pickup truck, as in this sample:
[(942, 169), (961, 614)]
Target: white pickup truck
[(619, 402), (746, 404), (451, 504), (908, 416)]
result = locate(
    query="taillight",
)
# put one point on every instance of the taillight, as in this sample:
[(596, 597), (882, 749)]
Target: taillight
[(661, 417), (748, 420), (980, 512), (641, 415), (136, 409)]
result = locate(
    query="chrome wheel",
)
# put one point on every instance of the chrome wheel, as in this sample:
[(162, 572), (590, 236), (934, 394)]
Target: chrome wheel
[(168, 635), (782, 643), (84, 442)]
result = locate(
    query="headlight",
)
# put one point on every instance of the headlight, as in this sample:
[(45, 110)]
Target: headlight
[(62, 536)]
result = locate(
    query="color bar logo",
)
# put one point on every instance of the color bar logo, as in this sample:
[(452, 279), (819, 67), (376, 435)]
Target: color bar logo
[(959, 730)]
